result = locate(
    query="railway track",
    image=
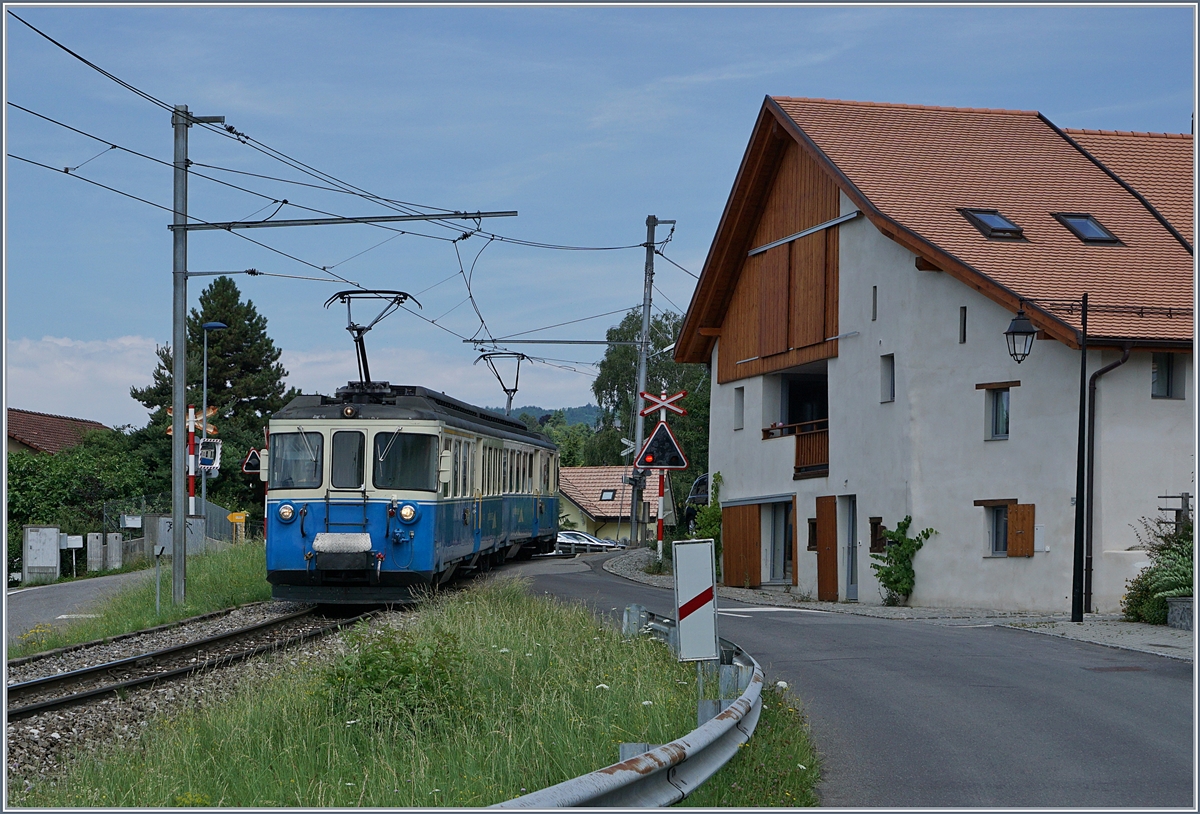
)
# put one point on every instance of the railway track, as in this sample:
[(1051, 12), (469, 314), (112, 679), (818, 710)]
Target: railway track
[(28, 698)]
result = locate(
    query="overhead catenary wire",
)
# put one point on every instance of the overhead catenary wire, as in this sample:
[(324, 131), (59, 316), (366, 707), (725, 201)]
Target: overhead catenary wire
[(230, 132)]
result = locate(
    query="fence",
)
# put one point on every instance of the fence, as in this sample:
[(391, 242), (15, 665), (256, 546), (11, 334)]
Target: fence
[(216, 518)]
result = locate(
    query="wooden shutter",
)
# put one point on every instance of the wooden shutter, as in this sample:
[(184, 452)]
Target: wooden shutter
[(741, 546), (773, 302), (808, 291), (827, 578), (1020, 530)]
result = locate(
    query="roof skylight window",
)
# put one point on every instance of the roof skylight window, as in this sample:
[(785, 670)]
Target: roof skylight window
[(608, 494), (1085, 227), (991, 224)]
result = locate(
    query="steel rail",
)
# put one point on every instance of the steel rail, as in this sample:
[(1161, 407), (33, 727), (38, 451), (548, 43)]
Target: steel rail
[(664, 775), (142, 659), (18, 713)]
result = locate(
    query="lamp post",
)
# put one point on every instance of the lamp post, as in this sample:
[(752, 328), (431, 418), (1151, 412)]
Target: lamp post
[(1020, 336), (208, 326)]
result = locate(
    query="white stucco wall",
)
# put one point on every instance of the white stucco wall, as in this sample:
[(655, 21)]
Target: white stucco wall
[(925, 454)]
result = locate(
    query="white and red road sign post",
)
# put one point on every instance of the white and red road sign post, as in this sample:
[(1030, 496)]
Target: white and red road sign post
[(696, 599)]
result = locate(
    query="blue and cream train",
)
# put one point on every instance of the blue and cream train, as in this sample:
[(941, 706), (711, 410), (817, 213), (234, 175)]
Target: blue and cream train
[(383, 487)]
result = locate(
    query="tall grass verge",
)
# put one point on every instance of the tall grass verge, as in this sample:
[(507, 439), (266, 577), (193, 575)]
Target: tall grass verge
[(482, 696), (216, 580)]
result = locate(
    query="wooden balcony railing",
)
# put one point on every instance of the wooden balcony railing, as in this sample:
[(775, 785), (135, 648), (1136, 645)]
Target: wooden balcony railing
[(812, 454), (804, 427)]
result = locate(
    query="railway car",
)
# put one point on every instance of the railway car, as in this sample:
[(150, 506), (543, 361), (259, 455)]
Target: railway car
[(382, 487)]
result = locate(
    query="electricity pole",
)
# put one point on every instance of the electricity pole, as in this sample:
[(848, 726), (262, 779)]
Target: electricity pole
[(181, 120), (643, 353)]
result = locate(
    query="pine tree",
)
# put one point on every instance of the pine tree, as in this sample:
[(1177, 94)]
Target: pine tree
[(245, 384)]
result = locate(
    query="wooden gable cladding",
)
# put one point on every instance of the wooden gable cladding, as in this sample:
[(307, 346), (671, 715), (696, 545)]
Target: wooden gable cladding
[(784, 303)]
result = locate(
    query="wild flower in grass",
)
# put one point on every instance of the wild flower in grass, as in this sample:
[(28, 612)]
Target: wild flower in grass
[(647, 703), (505, 650), (801, 767), (781, 685), (351, 723), (602, 686)]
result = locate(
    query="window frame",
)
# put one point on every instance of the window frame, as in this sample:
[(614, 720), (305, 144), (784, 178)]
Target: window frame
[(995, 397), (878, 541), (1066, 218), (362, 459), (1014, 235), (1174, 388), (273, 459), (887, 378), (433, 446), (997, 517), (739, 408)]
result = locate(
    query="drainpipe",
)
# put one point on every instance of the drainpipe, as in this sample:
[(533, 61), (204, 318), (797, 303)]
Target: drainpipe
[(1091, 446)]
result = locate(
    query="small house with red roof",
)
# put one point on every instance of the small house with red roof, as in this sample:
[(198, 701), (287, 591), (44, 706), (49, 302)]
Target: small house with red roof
[(853, 309), (598, 500), (41, 432)]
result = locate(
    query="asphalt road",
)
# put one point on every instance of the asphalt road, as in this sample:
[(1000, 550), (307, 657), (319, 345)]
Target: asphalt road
[(916, 714), (44, 604)]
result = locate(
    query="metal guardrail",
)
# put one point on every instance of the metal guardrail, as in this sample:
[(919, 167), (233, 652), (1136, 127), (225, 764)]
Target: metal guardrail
[(666, 774)]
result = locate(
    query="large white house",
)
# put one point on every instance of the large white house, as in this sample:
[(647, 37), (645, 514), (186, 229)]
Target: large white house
[(853, 309)]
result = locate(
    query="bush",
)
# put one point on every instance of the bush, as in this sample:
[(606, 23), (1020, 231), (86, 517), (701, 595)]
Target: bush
[(1170, 573), (392, 673), (895, 565)]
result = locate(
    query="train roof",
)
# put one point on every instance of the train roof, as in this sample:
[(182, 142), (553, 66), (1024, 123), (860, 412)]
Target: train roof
[(383, 401)]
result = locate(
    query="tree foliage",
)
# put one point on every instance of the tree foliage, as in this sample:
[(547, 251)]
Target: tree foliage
[(616, 393), (69, 489), (245, 384)]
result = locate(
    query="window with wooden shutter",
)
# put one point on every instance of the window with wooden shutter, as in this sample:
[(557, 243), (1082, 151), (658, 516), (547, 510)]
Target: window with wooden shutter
[(878, 541), (1020, 530), (812, 534), (773, 302)]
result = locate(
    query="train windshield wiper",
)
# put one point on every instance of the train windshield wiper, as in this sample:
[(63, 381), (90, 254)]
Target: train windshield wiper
[(391, 441), (312, 456)]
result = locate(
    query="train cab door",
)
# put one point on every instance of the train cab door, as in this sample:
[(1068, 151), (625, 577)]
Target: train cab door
[(477, 518)]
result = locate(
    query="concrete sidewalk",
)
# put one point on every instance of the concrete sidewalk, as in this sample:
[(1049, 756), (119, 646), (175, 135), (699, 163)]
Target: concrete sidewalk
[(1107, 630)]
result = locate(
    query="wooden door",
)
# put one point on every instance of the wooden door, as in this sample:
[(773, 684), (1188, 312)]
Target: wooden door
[(827, 570), (741, 546)]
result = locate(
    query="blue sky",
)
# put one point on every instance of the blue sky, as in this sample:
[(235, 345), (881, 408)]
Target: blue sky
[(583, 119)]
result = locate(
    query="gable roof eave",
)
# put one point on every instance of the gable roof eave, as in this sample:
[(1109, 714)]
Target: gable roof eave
[(577, 505), (923, 247), (768, 140)]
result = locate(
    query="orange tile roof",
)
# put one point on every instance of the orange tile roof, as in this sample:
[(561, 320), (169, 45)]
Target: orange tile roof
[(917, 165), (48, 433), (582, 485), (1158, 165)]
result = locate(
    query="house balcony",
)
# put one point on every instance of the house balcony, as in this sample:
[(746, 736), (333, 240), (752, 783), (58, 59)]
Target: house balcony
[(812, 446)]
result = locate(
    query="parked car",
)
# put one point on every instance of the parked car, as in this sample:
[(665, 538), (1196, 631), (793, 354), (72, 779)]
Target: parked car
[(574, 542)]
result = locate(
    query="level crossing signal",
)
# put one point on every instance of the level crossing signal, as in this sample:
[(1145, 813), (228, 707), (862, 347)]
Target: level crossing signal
[(661, 451), (663, 402)]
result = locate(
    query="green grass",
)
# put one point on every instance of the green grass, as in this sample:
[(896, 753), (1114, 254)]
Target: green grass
[(485, 695), (217, 580)]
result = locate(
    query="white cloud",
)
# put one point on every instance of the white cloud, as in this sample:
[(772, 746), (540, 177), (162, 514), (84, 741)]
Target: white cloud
[(81, 379)]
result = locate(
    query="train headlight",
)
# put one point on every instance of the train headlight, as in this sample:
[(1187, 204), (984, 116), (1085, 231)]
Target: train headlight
[(408, 512), (287, 512)]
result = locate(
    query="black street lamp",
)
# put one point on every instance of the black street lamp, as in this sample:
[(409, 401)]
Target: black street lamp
[(1020, 336)]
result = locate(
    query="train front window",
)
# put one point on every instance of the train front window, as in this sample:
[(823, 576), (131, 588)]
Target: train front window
[(346, 467), (406, 461), (295, 460)]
